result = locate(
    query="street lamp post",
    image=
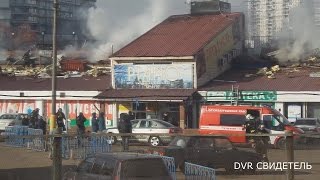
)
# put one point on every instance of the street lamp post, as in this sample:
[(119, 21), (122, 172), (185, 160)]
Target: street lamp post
[(42, 33), (12, 40), (56, 146), (74, 38)]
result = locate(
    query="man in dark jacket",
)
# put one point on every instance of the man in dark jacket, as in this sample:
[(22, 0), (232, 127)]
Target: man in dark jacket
[(34, 118), (80, 123), (42, 125), (60, 118), (94, 122), (125, 126)]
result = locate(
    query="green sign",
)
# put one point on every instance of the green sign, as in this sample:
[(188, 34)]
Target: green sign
[(261, 96)]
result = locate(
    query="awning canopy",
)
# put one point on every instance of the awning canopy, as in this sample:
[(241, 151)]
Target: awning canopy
[(146, 94)]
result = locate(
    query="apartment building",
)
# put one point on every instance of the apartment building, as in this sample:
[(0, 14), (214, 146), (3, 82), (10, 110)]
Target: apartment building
[(265, 18), (31, 20)]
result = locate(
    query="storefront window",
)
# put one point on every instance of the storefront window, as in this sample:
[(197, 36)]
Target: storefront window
[(313, 110)]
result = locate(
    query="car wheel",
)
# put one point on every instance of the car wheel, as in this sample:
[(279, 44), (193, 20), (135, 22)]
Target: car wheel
[(113, 139), (154, 141), (281, 143)]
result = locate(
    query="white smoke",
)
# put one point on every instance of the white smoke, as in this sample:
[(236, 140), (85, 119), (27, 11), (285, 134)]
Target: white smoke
[(115, 23), (299, 37)]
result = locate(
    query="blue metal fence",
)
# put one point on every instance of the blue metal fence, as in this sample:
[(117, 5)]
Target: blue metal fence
[(81, 147), (170, 163), (13, 133), (197, 172), (36, 143)]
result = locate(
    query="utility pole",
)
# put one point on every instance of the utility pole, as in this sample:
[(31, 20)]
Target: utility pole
[(56, 146)]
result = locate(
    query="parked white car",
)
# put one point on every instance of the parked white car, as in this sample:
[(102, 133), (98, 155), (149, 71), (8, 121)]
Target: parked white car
[(10, 120), (148, 126)]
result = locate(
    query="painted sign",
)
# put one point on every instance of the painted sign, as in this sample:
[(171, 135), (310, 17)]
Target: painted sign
[(15, 106), (262, 96), (73, 108), (153, 76)]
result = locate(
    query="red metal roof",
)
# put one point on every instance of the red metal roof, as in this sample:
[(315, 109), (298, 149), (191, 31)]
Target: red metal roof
[(179, 35), (284, 81)]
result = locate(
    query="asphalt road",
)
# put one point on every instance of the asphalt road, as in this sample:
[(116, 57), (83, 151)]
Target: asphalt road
[(23, 164)]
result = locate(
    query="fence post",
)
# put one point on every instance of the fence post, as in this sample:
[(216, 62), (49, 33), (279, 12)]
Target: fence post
[(290, 153)]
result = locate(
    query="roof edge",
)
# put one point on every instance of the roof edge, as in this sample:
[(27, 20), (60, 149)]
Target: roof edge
[(152, 58)]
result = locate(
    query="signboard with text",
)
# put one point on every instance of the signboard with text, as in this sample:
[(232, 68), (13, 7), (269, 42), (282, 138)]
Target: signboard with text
[(153, 76), (253, 96)]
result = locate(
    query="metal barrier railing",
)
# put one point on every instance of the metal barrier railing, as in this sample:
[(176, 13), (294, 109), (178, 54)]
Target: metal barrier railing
[(80, 147), (36, 143), (197, 172), (170, 164)]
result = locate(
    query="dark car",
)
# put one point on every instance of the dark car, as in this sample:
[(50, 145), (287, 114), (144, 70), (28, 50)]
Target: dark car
[(308, 125), (209, 151), (120, 165)]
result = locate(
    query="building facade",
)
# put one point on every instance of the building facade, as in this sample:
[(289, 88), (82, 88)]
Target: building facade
[(266, 18), (30, 21), (294, 93), (160, 71)]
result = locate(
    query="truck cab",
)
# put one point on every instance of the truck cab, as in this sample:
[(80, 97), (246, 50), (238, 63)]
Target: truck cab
[(230, 120)]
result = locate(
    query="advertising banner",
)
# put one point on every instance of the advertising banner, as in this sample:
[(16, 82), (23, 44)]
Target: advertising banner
[(17, 106), (153, 76), (73, 108)]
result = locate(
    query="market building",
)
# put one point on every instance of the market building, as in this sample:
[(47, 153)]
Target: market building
[(22, 94), (292, 91), (161, 70)]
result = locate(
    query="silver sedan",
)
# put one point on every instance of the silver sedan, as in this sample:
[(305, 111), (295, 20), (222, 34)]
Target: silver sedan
[(148, 126)]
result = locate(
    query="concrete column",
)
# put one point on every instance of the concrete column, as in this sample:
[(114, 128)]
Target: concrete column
[(182, 115)]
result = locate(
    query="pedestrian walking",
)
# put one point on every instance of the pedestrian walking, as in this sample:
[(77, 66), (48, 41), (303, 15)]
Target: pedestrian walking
[(101, 122), (42, 125), (25, 120), (131, 115), (34, 118), (60, 117), (125, 126), (80, 123), (94, 122), (165, 117)]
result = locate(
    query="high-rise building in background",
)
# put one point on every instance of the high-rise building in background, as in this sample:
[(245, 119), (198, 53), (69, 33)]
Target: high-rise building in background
[(266, 18), (27, 22)]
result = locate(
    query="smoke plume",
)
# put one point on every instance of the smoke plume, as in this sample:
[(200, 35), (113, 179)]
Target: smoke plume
[(115, 23), (299, 37)]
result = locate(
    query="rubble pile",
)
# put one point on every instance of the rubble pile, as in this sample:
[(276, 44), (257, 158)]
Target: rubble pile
[(45, 72), (310, 62)]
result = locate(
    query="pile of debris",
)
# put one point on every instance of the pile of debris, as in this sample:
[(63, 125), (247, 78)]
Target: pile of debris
[(45, 72)]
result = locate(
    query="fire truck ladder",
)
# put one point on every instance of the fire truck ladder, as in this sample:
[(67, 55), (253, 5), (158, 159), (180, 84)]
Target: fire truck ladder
[(234, 95)]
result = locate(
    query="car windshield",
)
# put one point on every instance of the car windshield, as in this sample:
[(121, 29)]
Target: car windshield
[(180, 141), (144, 168), (280, 118), (8, 116), (163, 123), (305, 122)]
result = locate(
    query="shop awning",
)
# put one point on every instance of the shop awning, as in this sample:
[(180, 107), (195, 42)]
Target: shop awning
[(146, 94)]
